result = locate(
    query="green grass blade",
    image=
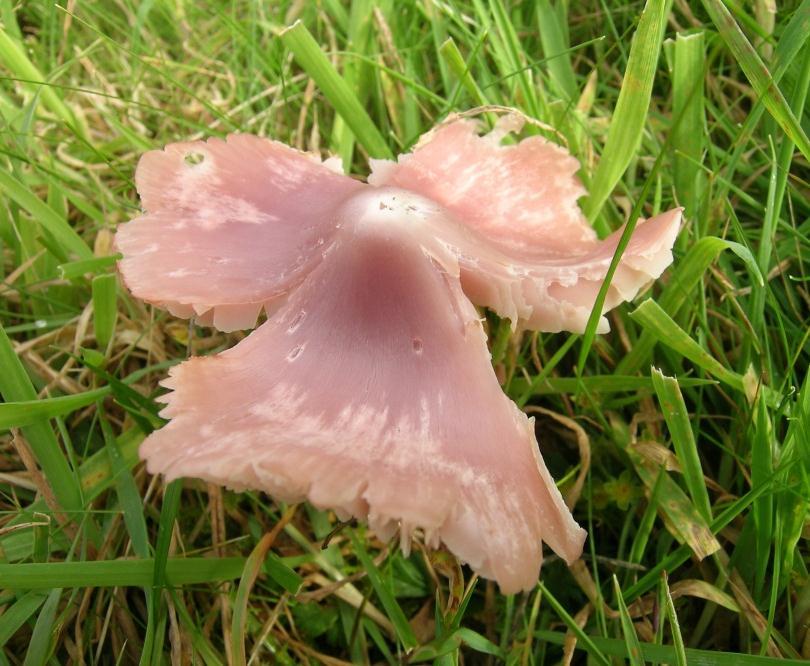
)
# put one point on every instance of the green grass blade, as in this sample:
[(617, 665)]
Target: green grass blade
[(629, 116), (606, 384), (513, 59), (762, 469), (76, 269), (555, 49), (792, 507), (685, 522), (653, 318), (386, 596), (615, 647), (253, 565), (15, 386), (17, 62), (689, 139), (153, 642), (25, 413), (757, 74), (282, 574), (683, 439), (315, 63), (461, 69), (200, 642), (583, 640), (128, 495), (672, 616), (41, 643), (119, 573), (50, 220), (624, 240), (634, 654), (687, 274), (16, 615), (105, 308)]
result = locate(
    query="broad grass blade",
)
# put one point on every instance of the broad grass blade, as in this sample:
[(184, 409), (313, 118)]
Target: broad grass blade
[(757, 73), (629, 116), (313, 61), (15, 386), (683, 439)]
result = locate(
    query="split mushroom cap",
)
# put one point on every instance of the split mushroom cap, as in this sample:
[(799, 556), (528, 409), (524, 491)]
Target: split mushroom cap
[(369, 390), (535, 258), (229, 226)]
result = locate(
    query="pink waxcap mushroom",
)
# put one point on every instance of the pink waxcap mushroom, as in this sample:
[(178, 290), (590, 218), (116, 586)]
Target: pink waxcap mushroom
[(228, 226), (535, 258), (370, 391)]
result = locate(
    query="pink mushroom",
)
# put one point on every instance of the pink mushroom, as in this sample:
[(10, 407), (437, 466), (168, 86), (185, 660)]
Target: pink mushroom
[(369, 389)]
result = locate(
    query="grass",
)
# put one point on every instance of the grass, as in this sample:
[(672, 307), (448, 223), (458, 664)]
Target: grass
[(694, 412)]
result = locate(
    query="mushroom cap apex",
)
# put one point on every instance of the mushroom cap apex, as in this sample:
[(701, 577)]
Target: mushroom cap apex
[(376, 209)]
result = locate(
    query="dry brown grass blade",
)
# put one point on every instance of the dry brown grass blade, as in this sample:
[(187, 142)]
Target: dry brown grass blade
[(248, 580), (352, 596), (570, 644)]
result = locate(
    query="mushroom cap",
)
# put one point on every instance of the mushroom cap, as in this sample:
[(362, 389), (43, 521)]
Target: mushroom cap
[(370, 391), (229, 226), (531, 255)]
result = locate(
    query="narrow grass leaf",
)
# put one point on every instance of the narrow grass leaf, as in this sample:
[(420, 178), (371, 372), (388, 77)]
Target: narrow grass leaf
[(762, 469), (512, 57), (24, 413), (14, 58), (105, 307), (556, 50), (77, 269), (683, 439), (689, 138), (616, 647), (40, 646), (634, 654), (461, 69), (704, 590), (682, 519), (18, 613), (624, 240), (253, 566), (606, 384), (119, 573), (275, 567), (544, 375), (445, 649), (314, 62), (126, 489), (627, 124), (386, 596), (672, 616), (15, 386), (583, 640), (792, 507), (95, 477), (198, 640), (41, 531), (653, 318), (687, 274), (479, 643), (153, 641), (51, 221), (757, 73)]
